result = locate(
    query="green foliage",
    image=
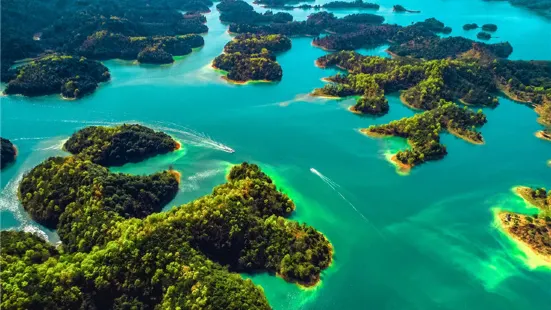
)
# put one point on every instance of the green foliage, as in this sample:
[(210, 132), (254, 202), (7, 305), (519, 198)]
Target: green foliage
[(424, 83), (423, 131), (168, 260), (116, 146), (251, 57), (7, 152), (48, 75)]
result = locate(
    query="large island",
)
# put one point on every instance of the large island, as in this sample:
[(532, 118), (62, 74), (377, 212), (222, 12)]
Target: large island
[(115, 255)]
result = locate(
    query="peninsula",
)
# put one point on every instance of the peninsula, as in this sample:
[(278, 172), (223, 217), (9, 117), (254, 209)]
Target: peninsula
[(532, 231)]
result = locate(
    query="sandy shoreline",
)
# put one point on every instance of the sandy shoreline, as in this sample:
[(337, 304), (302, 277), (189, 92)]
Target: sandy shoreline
[(542, 135), (464, 138)]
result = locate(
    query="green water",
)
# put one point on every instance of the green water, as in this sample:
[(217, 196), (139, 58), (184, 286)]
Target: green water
[(422, 241)]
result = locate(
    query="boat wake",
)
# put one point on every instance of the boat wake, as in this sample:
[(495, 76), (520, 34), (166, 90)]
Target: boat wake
[(193, 137), (335, 187)]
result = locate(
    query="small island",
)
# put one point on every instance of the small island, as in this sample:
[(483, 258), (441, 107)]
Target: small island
[(184, 257), (250, 57), (423, 132), (8, 153), (532, 231), (468, 27), (119, 145), (489, 27), (400, 9), (73, 76), (483, 35)]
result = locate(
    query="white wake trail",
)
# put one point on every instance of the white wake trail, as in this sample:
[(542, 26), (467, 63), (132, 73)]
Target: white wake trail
[(194, 137), (334, 186)]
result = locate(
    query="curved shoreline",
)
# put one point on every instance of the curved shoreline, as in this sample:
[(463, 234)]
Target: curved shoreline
[(404, 102), (542, 135), (465, 138), (531, 253)]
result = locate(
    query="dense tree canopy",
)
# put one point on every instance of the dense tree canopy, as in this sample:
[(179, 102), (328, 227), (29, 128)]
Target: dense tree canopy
[(423, 131), (32, 27), (74, 77), (184, 258), (238, 11), (118, 145), (251, 57), (7, 152)]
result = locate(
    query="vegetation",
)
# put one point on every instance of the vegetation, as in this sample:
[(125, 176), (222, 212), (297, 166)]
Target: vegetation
[(424, 83), (423, 131), (350, 36), (30, 28), (73, 76), (483, 36), (356, 4), (450, 47), (107, 45), (489, 27), (116, 146), (238, 11), (533, 230), (251, 57), (470, 26), (474, 78), (184, 258), (8, 152), (400, 9)]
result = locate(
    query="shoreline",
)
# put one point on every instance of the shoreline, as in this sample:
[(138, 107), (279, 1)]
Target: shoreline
[(406, 168), (176, 174), (400, 166), (314, 44), (465, 138), (317, 281), (543, 260), (542, 135), (351, 109), (404, 102), (525, 193), (225, 78)]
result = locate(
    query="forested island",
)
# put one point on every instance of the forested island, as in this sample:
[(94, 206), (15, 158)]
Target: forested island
[(533, 231), (126, 29), (118, 145), (470, 26), (8, 152), (252, 57), (476, 78), (112, 257), (238, 11), (422, 132), (73, 76), (357, 4)]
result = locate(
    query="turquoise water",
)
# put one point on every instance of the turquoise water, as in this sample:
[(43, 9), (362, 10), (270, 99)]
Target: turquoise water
[(421, 241)]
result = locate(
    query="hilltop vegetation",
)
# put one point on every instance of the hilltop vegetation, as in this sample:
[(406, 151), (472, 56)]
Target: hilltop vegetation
[(73, 76), (30, 28), (7, 152), (183, 258), (474, 79), (116, 146), (251, 57), (238, 11), (423, 131)]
